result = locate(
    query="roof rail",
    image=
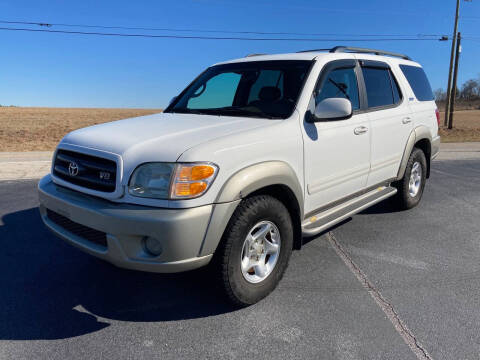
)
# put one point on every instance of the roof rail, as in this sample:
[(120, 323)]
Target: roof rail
[(337, 49), (250, 55), (314, 50)]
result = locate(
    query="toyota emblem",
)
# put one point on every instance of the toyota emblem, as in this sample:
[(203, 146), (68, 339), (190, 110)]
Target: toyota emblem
[(73, 169)]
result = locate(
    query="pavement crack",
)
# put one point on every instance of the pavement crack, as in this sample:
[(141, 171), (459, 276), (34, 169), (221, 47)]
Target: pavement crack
[(407, 335)]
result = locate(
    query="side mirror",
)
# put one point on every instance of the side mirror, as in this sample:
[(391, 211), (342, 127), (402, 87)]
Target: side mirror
[(333, 109)]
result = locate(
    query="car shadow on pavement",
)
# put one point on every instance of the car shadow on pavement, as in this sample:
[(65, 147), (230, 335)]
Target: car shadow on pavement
[(50, 290)]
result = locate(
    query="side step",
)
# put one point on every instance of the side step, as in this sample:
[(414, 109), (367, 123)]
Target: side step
[(323, 220)]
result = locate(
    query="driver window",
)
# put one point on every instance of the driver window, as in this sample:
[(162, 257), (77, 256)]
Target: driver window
[(340, 83), (217, 92)]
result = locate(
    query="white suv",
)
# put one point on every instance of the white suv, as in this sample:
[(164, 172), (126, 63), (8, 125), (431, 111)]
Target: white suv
[(253, 155)]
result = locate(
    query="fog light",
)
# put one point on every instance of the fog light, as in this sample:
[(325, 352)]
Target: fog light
[(152, 246)]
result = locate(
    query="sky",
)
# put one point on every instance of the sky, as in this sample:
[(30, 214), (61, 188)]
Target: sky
[(66, 70)]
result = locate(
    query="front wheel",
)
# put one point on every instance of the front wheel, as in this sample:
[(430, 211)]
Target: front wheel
[(410, 187), (255, 249)]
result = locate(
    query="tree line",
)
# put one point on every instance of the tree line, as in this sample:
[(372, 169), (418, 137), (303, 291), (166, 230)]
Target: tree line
[(470, 90)]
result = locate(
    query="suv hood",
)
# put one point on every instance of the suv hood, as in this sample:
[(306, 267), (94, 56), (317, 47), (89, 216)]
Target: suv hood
[(158, 137)]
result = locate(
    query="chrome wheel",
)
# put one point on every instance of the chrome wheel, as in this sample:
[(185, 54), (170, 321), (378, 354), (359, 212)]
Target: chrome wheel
[(415, 179), (260, 251)]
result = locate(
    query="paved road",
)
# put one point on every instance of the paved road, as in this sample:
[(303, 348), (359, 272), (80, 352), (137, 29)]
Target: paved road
[(349, 294)]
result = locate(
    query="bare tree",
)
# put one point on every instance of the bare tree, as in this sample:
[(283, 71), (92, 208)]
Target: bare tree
[(440, 95), (470, 90)]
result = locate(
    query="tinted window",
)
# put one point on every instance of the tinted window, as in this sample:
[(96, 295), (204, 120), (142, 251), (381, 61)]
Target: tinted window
[(266, 89), (272, 78), (378, 83), (397, 94), (219, 91), (418, 82), (340, 83)]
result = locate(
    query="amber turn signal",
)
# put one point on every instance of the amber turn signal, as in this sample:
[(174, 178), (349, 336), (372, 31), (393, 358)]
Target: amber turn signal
[(189, 189), (195, 172), (192, 180)]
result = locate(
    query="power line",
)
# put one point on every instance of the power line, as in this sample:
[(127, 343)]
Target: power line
[(207, 37), (45, 24)]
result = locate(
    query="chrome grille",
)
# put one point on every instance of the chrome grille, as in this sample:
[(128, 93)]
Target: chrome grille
[(91, 172)]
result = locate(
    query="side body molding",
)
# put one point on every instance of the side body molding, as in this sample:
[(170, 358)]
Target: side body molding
[(417, 134), (239, 186)]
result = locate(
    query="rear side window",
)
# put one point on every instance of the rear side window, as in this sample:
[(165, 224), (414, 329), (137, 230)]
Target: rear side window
[(382, 88), (418, 82)]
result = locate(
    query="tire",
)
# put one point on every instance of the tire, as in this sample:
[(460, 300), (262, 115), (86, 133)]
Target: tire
[(267, 219), (409, 191)]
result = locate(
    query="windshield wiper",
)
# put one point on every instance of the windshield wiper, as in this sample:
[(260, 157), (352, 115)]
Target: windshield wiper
[(251, 112), (229, 111), (189, 111)]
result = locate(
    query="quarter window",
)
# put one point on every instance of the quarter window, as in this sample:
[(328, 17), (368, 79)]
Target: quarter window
[(382, 88), (340, 83), (418, 82)]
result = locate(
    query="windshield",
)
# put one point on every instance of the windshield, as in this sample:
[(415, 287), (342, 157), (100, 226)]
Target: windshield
[(266, 89)]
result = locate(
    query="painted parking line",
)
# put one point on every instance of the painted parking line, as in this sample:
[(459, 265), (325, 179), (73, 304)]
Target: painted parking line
[(386, 307)]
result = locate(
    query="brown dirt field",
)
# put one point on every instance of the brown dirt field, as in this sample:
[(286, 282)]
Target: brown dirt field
[(38, 129), (466, 127)]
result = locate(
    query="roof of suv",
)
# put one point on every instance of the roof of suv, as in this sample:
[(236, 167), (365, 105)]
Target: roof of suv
[(315, 54)]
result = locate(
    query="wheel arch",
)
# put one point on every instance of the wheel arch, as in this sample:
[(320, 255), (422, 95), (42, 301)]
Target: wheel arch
[(288, 198), (421, 138), (275, 178)]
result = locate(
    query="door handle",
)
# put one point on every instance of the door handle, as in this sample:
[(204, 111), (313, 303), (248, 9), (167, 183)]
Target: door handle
[(406, 120), (360, 130)]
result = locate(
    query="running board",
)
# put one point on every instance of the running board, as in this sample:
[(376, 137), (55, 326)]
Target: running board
[(323, 220)]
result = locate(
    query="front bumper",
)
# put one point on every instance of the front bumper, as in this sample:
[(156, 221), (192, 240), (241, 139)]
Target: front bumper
[(180, 231)]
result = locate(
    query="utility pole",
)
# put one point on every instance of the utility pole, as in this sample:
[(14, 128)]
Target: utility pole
[(449, 86), (454, 85)]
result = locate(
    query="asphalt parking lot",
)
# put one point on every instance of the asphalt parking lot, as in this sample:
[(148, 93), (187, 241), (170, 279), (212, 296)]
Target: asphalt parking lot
[(383, 285)]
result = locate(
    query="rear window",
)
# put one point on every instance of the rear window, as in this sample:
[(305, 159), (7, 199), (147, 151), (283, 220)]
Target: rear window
[(418, 82)]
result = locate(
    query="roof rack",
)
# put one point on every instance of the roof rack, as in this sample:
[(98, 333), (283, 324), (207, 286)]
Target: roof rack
[(338, 49), (314, 50), (250, 55), (367, 51)]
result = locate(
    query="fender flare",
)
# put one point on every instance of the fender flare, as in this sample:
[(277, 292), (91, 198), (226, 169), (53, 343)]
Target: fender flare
[(419, 133), (258, 176), (241, 184)]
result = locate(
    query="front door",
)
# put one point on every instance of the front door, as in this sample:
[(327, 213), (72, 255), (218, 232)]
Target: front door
[(337, 152)]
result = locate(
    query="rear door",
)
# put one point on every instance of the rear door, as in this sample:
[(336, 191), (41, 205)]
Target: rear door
[(390, 119)]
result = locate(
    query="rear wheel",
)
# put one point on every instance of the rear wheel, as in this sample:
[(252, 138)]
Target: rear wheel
[(410, 187), (255, 249)]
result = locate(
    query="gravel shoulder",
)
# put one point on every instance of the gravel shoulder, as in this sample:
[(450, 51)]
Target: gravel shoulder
[(36, 164)]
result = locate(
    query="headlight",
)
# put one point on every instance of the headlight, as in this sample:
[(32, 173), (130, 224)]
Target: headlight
[(151, 180), (172, 181)]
